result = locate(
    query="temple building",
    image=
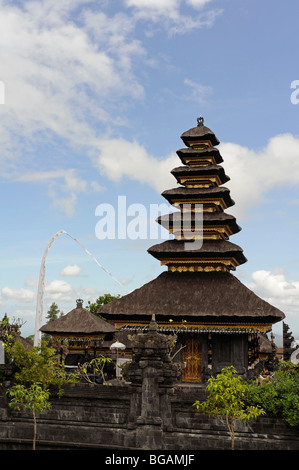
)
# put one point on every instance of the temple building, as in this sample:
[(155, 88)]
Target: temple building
[(218, 320), (80, 334)]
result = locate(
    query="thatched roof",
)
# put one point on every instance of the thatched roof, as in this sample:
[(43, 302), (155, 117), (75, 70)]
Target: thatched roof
[(209, 249), (214, 296), (205, 171), (197, 133), (191, 194), (195, 153), (79, 321), (175, 219)]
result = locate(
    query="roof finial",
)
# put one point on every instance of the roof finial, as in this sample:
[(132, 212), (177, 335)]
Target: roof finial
[(153, 325), (200, 121), (79, 303)]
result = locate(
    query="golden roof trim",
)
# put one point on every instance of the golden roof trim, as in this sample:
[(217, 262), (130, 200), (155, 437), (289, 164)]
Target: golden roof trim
[(194, 327)]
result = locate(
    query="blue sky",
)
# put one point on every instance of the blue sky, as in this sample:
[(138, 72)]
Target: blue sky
[(97, 94)]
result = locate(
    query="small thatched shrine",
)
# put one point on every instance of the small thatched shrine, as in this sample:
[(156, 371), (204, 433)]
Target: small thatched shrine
[(82, 332), (217, 319)]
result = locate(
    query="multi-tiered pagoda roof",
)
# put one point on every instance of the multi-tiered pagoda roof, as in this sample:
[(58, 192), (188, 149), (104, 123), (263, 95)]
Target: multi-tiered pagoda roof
[(202, 196), (198, 287)]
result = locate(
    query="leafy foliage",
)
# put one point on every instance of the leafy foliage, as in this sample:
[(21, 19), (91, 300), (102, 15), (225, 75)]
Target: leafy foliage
[(38, 365), (101, 300), (34, 399), (10, 328), (226, 400), (53, 313), (280, 395), (94, 367), (34, 370), (31, 399)]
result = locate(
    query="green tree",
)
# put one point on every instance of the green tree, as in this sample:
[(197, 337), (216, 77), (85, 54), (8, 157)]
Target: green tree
[(33, 372), (97, 366), (34, 399), (38, 365), (10, 328), (101, 300), (226, 400), (53, 313), (280, 394)]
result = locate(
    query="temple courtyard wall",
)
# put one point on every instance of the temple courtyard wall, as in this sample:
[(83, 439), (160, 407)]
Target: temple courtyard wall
[(94, 417)]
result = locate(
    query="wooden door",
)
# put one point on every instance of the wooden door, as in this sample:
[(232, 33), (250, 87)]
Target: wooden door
[(192, 357)]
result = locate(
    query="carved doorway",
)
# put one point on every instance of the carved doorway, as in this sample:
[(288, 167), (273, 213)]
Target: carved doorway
[(192, 357)]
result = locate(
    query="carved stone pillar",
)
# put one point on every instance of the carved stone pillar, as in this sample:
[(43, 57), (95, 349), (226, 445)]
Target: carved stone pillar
[(152, 370)]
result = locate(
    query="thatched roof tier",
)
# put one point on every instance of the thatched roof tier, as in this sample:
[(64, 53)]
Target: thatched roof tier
[(198, 134), (215, 195), (193, 297), (200, 172), (190, 156), (78, 321), (209, 219), (209, 249)]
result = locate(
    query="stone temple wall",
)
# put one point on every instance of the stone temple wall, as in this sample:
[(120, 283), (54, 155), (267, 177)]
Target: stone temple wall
[(106, 417), (151, 410)]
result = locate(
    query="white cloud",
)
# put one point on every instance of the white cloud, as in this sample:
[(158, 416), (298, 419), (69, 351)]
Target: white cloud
[(63, 186), (57, 75), (25, 295), (197, 3), (25, 312), (71, 181), (31, 282), (277, 290), (199, 92), (254, 172), (65, 295), (155, 5), (170, 14), (116, 34), (66, 204), (58, 286), (71, 270), (135, 162), (96, 186), (67, 68), (89, 291), (59, 290), (40, 176)]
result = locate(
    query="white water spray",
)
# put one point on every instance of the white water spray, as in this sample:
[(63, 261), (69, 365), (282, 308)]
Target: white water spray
[(41, 284)]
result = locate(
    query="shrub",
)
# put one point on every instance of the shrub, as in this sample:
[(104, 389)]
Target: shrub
[(280, 394)]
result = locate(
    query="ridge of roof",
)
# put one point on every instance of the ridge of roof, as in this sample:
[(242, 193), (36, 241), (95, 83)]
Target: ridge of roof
[(198, 295), (78, 320)]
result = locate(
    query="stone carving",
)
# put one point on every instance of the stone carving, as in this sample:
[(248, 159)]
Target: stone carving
[(154, 373)]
